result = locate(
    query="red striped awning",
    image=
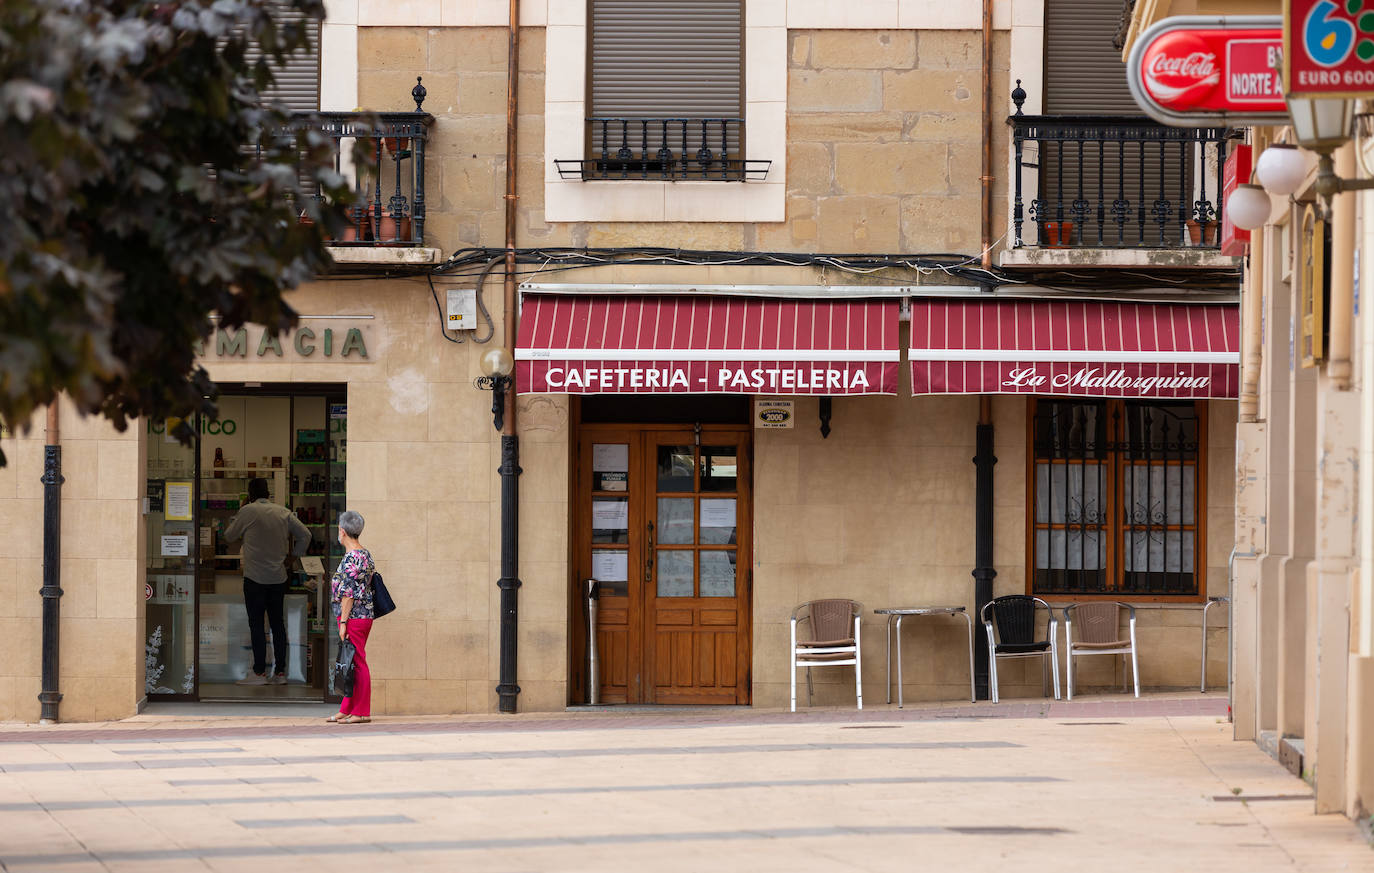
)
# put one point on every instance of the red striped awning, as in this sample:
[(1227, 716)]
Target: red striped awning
[(616, 344), (1082, 349)]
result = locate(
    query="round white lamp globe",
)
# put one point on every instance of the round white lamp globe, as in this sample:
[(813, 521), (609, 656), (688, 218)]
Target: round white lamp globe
[(1248, 207), (1281, 169), (496, 362)]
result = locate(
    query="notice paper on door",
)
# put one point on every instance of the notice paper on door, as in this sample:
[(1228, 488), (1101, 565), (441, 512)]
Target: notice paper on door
[(610, 566), (610, 457), (176, 546), (178, 501), (610, 515), (718, 512)]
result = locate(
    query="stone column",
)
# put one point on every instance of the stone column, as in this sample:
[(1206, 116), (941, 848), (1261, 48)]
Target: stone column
[(1337, 426), (1251, 492), (1275, 390), (1301, 497)]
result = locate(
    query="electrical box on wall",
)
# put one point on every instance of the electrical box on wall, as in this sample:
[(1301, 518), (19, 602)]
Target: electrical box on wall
[(462, 309)]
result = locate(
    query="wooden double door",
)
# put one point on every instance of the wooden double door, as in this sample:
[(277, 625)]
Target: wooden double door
[(662, 523)]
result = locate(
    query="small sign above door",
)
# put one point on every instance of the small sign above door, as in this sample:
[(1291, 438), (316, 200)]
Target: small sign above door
[(772, 412)]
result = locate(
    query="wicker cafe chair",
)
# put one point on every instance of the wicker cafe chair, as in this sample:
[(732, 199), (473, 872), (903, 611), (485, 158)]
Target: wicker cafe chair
[(1100, 634), (829, 637), (1010, 625)]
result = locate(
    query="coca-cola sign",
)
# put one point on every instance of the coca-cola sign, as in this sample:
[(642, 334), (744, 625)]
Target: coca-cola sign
[(1194, 69)]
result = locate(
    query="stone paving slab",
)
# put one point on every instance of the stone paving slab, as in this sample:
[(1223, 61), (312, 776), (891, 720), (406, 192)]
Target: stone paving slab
[(250, 722), (825, 790)]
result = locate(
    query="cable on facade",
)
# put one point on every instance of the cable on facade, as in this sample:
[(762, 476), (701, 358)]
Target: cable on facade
[(955, 266), (443, 331)]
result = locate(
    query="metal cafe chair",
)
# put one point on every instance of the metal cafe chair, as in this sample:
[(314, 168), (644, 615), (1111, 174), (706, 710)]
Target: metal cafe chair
[(825, 633), (1100, 634), (1010, 625)]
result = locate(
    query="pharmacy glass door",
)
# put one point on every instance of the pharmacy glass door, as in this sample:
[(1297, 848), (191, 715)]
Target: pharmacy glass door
[(170, 650)]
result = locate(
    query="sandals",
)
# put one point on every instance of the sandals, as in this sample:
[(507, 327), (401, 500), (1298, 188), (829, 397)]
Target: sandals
[(354, 719), (336, 718)]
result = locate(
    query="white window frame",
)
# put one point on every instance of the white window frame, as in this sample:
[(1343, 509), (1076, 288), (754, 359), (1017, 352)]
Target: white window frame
[(765, 132)]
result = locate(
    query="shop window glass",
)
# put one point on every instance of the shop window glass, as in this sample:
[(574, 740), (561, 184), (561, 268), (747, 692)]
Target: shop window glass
[(1114, 497)]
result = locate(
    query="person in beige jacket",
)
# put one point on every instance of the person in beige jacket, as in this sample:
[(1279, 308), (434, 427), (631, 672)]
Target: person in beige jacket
[(270, 532)]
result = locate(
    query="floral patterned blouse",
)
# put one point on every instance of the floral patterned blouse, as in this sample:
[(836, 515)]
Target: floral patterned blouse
[(353, 579)]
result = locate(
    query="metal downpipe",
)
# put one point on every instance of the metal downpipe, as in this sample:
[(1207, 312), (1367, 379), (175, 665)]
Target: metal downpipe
[(985, 179), (507, 690), (49, 697), (983, 571)]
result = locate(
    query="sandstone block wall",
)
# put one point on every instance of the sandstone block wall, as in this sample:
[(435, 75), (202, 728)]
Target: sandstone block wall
[(882, 156), (101, 654)]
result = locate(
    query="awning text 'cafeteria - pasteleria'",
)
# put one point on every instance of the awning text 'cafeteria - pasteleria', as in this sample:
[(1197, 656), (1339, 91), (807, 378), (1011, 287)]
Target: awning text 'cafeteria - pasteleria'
[(706, 345), (703, 344)]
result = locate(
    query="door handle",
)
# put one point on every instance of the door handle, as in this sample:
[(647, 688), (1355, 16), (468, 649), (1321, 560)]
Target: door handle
[(649, 556)]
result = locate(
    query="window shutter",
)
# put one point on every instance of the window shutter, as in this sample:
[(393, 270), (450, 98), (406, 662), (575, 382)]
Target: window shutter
[(652, 59), (1084, 73), (298, 82)]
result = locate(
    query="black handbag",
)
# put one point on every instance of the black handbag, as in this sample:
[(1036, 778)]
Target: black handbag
[(382, 604), (344, 670)]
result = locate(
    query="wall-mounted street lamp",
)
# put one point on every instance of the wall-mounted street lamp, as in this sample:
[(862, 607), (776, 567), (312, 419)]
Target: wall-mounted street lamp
[(1321, 125), (496, 365), (1281, 169), (1248, 207)]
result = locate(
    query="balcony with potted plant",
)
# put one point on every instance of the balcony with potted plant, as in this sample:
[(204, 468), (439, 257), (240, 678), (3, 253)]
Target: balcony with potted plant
[(1114, 191)]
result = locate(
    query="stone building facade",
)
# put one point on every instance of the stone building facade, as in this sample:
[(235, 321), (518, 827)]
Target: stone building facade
[(872, 117)]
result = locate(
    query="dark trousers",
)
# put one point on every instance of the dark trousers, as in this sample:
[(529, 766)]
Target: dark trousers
[(270, 599)]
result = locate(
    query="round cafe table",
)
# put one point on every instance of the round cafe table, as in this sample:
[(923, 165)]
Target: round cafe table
[(895, 616)]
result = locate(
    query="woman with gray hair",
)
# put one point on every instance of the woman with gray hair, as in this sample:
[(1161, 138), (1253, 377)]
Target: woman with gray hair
[(351, 595)]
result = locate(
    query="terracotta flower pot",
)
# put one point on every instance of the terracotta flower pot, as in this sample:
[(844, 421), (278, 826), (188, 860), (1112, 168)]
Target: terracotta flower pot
[(394, 231), (1200, 235), (1060, 233)]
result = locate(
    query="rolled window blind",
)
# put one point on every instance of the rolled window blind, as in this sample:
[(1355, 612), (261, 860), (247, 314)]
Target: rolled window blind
[(653, 59), (1084, 75), (298, 80)]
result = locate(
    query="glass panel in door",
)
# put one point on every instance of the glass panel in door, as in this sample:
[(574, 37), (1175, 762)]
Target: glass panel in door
[(610, 556), (173, 544)]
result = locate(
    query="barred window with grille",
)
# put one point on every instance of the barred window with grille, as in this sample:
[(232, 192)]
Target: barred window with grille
[(665, 89), (1117, 498)]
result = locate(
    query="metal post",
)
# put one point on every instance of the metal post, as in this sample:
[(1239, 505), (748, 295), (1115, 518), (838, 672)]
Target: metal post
[(593, 661), (51, 591), (509, 583), (983, 572), (507, 691)]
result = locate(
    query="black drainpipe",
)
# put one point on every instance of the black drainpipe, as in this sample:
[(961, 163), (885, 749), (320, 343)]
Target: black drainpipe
[(51, 591), (983, 572), (508, 691)]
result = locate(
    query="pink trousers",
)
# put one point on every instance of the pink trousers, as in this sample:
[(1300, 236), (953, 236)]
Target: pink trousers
[(360, 702)]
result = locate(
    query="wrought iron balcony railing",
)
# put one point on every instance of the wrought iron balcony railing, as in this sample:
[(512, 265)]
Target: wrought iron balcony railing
[(1098, 181), (391, 180), (664, 149)]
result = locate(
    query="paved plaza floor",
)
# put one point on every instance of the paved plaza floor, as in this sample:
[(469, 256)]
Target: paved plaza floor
[(1100, 784)]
